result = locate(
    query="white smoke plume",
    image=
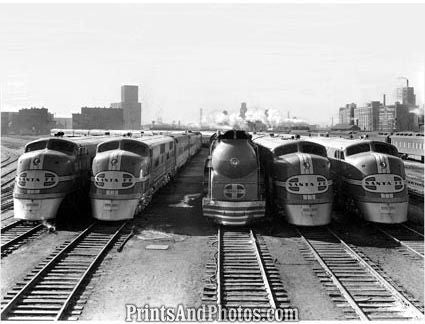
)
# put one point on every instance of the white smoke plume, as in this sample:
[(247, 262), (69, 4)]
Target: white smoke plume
[(255, 117)]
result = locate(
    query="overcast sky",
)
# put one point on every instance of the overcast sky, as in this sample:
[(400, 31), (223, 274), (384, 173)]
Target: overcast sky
[(306, 59)]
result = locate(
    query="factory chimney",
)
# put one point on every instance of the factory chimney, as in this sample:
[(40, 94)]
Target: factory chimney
[(384, 100), (200, 117)]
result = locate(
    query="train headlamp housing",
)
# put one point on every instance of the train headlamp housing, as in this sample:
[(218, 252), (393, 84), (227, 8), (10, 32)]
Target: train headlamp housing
[(114, 161), (383, 164), (36, 161), (234, 162)]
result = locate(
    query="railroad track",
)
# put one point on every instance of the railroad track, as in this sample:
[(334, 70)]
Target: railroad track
[(406, 236), (352, 282), (6, 201), (49, 292), (4, 161), (4, 184), (8, 172), (4, 165), (245, 275), (14, 234)]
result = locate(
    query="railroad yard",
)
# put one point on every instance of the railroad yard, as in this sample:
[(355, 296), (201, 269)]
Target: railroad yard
[(171, 255)]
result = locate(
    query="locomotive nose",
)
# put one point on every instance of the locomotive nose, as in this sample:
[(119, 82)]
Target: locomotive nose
[(45, 160), (234, 160)]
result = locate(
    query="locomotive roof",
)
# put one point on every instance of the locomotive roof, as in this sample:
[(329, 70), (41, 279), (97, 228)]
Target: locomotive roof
[(80, 141), (273, 142), (340, 143), (148, 140), (235, 134)]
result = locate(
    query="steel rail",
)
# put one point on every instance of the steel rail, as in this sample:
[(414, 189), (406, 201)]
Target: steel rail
[(9, 163), (334, 279), (219, 272), (412, 308), (20, 237), (411, 229), (30, 284), (400, 242), (263, 271), (89, 270)]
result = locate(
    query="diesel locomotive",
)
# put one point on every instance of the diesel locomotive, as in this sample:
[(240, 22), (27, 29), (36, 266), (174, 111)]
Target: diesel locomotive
[(127, 172), (299, 184), (234, 192), (370, 177), (52, 172)]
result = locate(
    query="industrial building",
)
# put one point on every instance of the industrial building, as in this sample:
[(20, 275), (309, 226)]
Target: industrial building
[(31, 121), (98, 118), (132, 108), (403, 115), (398, 117), (367, 118), (346, 114)]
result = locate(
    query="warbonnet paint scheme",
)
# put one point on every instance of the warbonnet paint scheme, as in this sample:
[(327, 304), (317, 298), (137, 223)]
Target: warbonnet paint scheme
[(371, 176), (127, 172), (298, 179), (50, 171), (233, 180)]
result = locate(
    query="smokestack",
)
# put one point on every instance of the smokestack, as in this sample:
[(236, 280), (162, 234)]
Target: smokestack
[(407, 81), (200, 117), (384, 100), (243, 110)]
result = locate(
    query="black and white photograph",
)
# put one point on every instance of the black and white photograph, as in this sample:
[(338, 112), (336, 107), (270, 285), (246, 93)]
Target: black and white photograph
[(212, 161)]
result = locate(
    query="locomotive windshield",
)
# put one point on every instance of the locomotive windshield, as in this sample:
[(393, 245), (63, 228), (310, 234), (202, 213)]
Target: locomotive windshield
[(286, 149), (62, 146), (359, 148), (385, 148), (40, 145), (135, 147), (108, 146), (313, 148)]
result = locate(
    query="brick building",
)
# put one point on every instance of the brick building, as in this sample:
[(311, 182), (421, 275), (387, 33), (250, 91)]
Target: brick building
[(98, 118)]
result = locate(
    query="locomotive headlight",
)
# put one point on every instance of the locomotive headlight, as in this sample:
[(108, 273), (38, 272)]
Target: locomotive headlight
[(234, 162), (383, 164), (306, 165), (114, 161), (36, 161)]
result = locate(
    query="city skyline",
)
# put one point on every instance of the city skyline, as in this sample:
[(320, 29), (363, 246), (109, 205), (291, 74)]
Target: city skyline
[(306, 59)]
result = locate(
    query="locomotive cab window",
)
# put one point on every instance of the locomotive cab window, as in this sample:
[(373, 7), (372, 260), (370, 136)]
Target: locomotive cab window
[(286, 149), (162, 148), (135, 147), (359, 148), (385, 148), (40, 145), (62, 146), (108, 146), (312, 148)]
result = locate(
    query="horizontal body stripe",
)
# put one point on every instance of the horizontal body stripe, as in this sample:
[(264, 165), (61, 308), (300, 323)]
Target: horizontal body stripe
[(283, 183)]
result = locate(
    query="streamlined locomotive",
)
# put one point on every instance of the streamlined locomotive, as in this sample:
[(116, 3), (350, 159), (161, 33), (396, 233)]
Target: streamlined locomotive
[(298, 179), (51, 171), (127, 172), (234, 192), (370, 177)]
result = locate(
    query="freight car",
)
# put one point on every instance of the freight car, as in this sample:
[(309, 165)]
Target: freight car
[(370, 178), (234, 191), (53, 172), (298, 180)]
